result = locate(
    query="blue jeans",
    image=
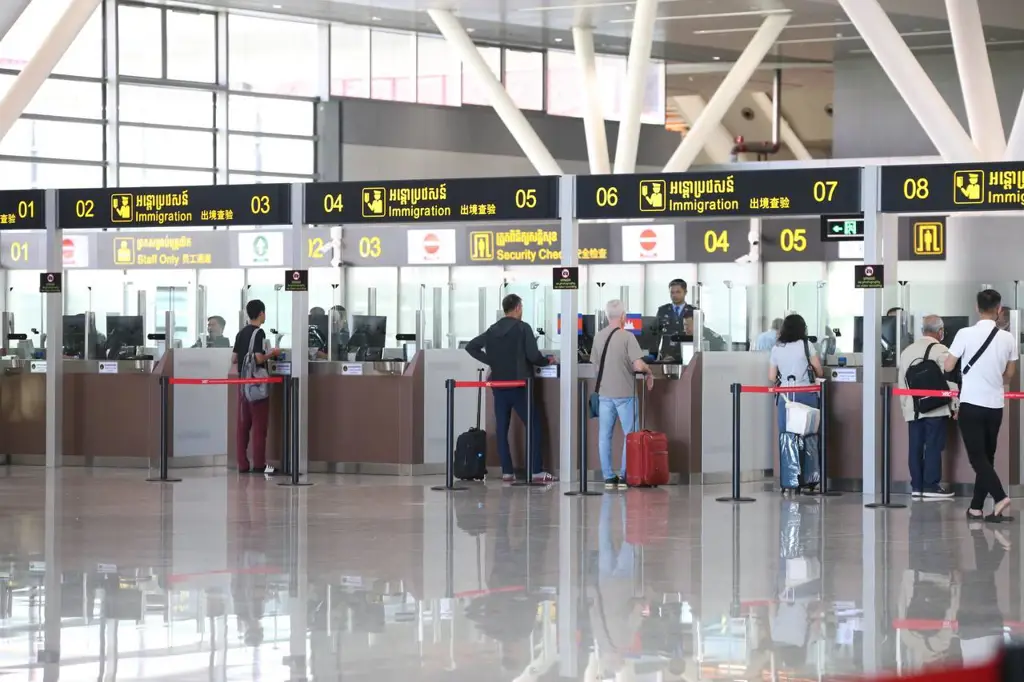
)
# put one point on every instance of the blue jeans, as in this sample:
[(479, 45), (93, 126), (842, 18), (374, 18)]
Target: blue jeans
[(927, 441), (506, 400), (611, 408)]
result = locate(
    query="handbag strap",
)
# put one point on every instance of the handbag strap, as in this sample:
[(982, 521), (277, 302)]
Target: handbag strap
[(604, 356), (966, 368)]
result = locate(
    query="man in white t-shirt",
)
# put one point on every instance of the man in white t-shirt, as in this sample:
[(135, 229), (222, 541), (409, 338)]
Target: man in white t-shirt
[(987, 358)]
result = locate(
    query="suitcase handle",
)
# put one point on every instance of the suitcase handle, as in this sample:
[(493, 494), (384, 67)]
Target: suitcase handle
[(479, 396), (640, 418)]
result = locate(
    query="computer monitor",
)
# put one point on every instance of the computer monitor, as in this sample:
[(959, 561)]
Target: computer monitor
[(951, 325), (888, 338), (125, 333), (369, 335), (74, 336), (649, 337), (318, 331)]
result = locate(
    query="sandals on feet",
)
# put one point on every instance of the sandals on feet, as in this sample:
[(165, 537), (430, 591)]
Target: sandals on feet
[(998, 514)]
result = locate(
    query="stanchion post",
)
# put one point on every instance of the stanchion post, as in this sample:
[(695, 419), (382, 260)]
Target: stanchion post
[(737, 391), (530, 454), (165, 432), (292, 455), (886, 502), (286, 415), (823, 490), (582, 415), (449, 439)]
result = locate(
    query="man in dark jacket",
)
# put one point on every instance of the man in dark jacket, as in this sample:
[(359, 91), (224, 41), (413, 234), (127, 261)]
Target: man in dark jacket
[(509, 348)]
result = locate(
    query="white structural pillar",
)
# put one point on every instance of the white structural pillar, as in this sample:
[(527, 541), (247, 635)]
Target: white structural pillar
[(976, 81), (1015, 145), (568, 440), (720, 143), (727, 92), (10, 11), (913, 84), (646, 11), (787, 135), (39, 68), (593, 117), (506, 109)]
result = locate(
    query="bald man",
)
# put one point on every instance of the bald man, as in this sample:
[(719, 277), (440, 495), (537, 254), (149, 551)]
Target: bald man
[(927, 430)]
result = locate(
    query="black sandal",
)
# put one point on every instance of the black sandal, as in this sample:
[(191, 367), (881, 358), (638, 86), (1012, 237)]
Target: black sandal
[(976, 517), (1000, 517)]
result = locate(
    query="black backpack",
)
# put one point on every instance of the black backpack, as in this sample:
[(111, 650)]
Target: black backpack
[(925, 374)]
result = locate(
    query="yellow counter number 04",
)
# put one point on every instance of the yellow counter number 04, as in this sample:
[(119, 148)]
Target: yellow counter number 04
[(716, 241), (793, 239)]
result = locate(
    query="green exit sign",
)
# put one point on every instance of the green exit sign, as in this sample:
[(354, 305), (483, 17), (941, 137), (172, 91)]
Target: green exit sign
[(842, 228)]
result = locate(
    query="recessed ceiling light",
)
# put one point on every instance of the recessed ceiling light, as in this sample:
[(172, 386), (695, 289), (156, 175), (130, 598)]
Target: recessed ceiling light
[(716, 58), (558, 40), (277, 6), (375, 18), (470, 29)]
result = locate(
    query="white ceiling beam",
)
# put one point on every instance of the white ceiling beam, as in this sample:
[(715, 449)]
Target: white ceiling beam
[(42, 63), (976, 81), (720, 142), (694, 69), (523, 133), (593, 117), (646, 11), (786, 132), (10, 10), (910, 80), (727, 92), (1015, 145)]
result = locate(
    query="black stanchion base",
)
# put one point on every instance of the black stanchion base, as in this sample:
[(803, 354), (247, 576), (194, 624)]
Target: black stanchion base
[(885, 505), (530, 484), (163, 480), (818, 493), (583, 493), (295, 484), (451, 489), (735, 499)]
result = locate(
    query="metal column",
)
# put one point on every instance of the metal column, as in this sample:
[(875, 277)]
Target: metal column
[(727, 92), (507, 111), (873, 311), (593, 116), (54, 340), (300, 339), (644, 15), (569, 307), (718, 146)]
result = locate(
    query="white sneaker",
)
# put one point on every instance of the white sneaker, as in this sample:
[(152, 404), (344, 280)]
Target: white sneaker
[(269, 471)]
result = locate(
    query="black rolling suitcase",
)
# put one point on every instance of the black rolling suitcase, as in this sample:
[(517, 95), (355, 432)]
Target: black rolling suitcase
[(471, 447)]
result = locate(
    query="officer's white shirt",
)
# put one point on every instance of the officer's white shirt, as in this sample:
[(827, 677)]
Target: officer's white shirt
[(983, 384)]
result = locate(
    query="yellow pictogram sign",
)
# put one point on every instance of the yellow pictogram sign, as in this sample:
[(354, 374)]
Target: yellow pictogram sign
[(929, 239), (652, 195), (124, 251), (121, 208), (375, 202), (481, 246), (969, 187)]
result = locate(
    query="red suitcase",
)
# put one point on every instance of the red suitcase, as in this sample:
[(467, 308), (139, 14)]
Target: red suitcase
[(646, 455)]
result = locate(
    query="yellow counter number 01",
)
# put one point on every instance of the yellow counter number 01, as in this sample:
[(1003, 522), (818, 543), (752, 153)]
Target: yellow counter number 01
[(793, 239), (19, 252), (369, 247)]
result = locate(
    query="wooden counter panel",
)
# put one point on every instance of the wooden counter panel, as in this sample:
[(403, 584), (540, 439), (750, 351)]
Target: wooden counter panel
[(23, 414), (112, 415)]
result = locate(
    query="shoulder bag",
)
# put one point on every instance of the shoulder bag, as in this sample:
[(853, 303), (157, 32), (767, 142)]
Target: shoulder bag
[(250, 370), (595, 398)]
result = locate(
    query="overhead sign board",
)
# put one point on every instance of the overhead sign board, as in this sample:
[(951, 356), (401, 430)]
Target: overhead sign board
[(953, 188), (22, 210), (170, 207), (719, 194), (423, 201)]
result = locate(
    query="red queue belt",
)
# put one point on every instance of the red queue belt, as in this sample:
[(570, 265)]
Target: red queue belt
[(780, 389), (925, 393), (221, 382), (490, 384)]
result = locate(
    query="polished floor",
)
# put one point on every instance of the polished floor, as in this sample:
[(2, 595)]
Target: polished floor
[(220, 577)]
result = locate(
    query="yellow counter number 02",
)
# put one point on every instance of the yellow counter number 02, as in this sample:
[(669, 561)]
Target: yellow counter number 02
[(793, 239)]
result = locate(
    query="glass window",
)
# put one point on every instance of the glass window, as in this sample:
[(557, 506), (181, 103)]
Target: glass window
[(172, 106), (472, 91), (438, 72), (654, 94), (393, 66), (161, 177), (57, 97), (350, 61), (163, 147), (83, 58), (54, 139), (524, 78), (270, 55), (564, 83), (191, 46), (611, 74), (140, 41), (25, 175), (268, 115), (271, 154), (247, 179)]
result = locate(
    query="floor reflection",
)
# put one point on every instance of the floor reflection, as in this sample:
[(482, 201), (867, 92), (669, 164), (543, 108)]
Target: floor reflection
[(234, 578)]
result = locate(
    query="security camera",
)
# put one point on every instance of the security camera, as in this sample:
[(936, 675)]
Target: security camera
[(747, 113), (828, 109)]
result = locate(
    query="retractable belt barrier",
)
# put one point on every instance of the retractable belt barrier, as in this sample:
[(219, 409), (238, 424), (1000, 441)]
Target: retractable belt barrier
[(888, 391), (449, 430), (288, 425), (738, 390)]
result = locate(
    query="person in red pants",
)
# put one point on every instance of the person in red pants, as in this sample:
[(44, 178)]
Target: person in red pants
[(252, 416)]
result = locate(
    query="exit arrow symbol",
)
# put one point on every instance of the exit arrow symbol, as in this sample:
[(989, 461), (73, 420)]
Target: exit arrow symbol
[(837, 228)]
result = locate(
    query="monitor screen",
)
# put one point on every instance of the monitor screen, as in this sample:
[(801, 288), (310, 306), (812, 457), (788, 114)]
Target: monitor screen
[(369, 331), (126, 330)]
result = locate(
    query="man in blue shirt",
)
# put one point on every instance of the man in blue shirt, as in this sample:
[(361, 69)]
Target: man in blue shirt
[(675, 317), (766, 340)]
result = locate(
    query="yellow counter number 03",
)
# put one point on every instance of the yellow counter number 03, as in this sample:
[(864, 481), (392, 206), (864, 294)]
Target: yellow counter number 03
[(793, 239), (260, 204), (369, 247)]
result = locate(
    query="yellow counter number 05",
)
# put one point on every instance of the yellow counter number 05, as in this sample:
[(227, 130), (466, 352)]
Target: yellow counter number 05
[(793, 239), (526, 198)]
